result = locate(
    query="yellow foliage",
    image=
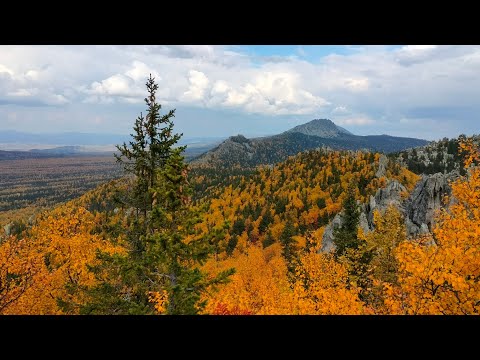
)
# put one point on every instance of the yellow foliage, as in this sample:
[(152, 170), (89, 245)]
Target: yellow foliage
[(321, 287), (160, 300), (440, 275), (259, 285), (58, 251)]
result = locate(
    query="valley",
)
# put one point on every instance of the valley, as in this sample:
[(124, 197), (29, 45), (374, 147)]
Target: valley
[(44, 182)]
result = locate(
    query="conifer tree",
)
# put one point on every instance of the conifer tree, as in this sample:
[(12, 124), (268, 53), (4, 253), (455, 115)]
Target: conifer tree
[(289, 247), (345, 237), (160, 271)]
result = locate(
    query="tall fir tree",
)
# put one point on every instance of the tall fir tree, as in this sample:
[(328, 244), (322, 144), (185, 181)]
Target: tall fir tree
[(289, 247), (350, 249), (345, 236), (160, 271)]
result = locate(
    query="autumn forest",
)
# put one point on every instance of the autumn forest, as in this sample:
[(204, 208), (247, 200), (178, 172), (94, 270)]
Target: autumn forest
[(146, 232)]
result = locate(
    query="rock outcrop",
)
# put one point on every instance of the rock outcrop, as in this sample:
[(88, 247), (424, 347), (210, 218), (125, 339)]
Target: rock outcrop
[(426, 199), (7, 228), (382, 166), (390, 195), (327, 239), (419, 208)]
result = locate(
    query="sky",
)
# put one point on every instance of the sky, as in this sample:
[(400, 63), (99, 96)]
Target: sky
[(422, 91)]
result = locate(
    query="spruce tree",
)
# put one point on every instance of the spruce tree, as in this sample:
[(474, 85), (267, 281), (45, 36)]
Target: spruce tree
[(289, 247), (345, 237), (159, 259)]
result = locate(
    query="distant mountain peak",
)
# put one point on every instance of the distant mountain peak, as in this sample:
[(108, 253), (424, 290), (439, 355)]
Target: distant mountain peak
[(324, 128), (238, 139)]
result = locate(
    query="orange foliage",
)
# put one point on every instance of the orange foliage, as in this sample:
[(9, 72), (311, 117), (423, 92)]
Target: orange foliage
[(260, 285), (441, 275), (57, 253)]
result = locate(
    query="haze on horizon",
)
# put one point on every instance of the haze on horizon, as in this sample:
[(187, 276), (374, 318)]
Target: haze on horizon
[(422, 91)]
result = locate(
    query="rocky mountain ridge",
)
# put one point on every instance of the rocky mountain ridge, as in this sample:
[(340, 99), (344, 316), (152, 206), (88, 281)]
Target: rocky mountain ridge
[(242, 152)]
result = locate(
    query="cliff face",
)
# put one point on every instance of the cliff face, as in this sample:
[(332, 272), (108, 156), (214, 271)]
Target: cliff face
[(390, 195), (425, 200), (418, 208)]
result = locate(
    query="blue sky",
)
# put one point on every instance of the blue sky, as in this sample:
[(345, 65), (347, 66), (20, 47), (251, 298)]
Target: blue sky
[(423, 91)]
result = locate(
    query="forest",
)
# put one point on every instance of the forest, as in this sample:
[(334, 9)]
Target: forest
[(163, 237)]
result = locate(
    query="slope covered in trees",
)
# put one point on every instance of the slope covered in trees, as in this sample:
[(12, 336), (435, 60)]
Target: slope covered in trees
[(307, 190), (238, 151), (442, 156)]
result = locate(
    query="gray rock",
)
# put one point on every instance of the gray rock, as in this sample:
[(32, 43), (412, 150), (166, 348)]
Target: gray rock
[(384, 197), (327, 239), (363, 223), (7, 229), (426, 199), (382, 166)]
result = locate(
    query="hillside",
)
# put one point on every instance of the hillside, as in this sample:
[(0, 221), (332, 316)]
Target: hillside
[(442, 156), (240, 151), (306, 189)]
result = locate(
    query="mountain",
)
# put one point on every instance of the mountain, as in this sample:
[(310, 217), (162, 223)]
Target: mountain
[(20, 155), (56, 152), (320, 127), (61, 150), (240, 151)]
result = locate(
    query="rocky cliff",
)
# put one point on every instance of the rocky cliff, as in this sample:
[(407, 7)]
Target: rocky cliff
[(418, 208), (426, 199)]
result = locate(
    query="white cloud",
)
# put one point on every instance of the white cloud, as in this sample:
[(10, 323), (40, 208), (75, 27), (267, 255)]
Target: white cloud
[(4, 69), (22, 92), (340, 110), (414, 48), (140, 72), (268, 92), (355, 121), (126, 87), (359, 84), (116, 85), (198, 85), (414, 81), (32, 75)]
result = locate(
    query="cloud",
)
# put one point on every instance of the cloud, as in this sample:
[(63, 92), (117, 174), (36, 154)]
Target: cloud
[(5, 70), (340, 110), (198, 85), (358, 121), (268, 92), (373, 88), (359, 84), (127, 87)]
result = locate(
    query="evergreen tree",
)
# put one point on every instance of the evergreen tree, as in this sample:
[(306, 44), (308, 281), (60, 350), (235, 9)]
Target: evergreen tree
[(269, 240), (158, 259), (289, 246), (266, 221), (345, 237)]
